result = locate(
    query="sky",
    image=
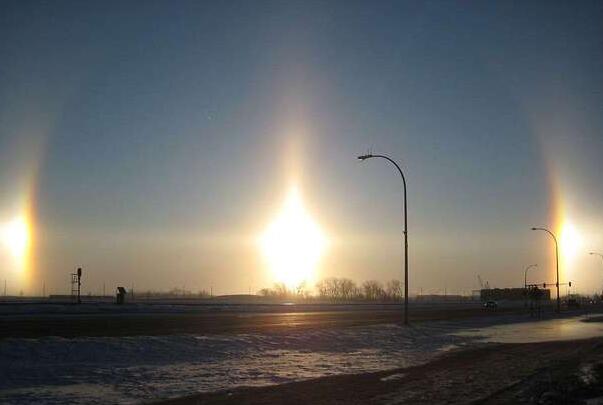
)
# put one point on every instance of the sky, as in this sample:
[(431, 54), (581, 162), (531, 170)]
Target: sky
[(152, 143)]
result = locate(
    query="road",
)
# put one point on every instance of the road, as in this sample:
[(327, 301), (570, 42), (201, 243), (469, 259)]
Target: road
[(264, 319)]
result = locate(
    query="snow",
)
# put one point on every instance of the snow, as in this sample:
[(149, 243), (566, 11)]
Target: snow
[(125, 370)]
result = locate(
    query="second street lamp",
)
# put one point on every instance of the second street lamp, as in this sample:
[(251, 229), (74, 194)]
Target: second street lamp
[(596, 254), (556, 262), (369, 156), (525, 282), (525, 275)]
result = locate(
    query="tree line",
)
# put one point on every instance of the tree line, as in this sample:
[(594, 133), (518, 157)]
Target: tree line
[(339, 289)]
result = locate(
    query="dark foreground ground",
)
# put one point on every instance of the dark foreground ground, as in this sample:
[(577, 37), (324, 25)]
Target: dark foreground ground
[(536, 373), (269, 319)]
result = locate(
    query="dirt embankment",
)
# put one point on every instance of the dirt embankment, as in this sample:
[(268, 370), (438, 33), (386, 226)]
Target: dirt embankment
[(541, 373)]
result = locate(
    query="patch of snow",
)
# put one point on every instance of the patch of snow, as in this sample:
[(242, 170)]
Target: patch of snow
[(122, 370), (134, 369), (393, 377)]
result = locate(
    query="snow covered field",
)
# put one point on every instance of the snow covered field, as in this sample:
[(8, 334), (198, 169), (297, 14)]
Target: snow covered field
[(146, 368)]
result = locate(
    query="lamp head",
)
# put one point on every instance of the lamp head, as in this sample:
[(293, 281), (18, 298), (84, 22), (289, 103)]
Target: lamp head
[(364, 157), (534, 229)]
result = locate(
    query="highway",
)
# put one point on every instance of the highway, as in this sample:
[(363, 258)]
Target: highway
[(76, 321)]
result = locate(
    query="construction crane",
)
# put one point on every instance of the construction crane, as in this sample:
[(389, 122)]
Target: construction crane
[(482, 285)]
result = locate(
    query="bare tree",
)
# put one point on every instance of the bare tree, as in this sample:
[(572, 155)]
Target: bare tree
[(357, 293), (334, 288), (347, 288), (302, 291), (321, 287), (373, 290), (281, 290), (332, 285), (394, 290), (267, 292)]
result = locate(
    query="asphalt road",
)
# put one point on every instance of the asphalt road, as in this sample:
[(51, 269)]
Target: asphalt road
[(237, 320)]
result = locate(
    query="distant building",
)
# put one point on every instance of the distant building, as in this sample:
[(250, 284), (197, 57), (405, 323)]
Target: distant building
[(499, 294)]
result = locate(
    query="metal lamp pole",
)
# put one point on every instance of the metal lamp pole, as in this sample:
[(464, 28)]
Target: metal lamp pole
[(525, 282), (597, 254), (556, 262), (525, 275), (364, 157)]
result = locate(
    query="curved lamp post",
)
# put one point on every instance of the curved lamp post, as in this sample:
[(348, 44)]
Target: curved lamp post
[(596, 254), (525, 283), (369, 156), (525, 275), (556, 262)]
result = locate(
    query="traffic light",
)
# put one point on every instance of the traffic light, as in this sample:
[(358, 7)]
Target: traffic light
[(543, 285), (570, 283)]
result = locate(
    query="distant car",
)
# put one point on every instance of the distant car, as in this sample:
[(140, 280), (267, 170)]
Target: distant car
[(573, 303), (490, 305)]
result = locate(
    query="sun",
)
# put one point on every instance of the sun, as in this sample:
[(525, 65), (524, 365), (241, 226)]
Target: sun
[(570, 244), (15, 237), (570, 241), (293, 243)]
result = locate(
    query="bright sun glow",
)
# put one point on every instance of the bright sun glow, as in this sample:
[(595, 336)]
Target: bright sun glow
[(15, 236), (570, 241), (293, 243)]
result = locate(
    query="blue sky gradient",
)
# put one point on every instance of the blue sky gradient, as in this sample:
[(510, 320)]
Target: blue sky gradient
[(161, 137)]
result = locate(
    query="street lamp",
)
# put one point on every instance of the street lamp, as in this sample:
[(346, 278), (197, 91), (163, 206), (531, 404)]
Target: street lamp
[(369, 156), (556, 262), (525, 275), (525, 282), (597, 254)]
